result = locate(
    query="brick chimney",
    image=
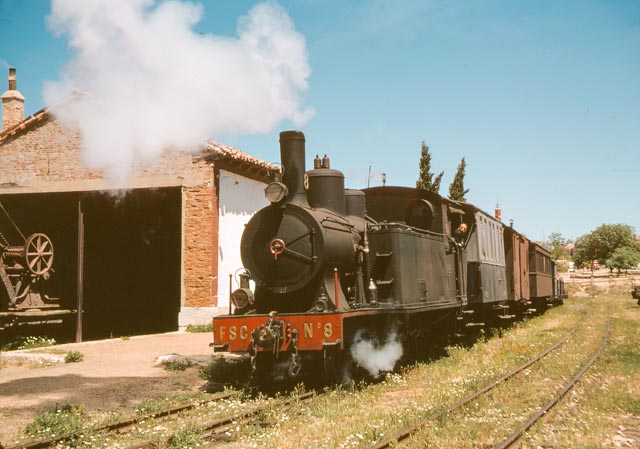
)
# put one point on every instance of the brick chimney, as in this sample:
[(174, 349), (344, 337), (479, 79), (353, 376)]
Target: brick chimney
[(498, 212), (12, 103)]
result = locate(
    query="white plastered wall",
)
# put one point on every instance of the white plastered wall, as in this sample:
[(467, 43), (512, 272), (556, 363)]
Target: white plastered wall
[(239, 199)]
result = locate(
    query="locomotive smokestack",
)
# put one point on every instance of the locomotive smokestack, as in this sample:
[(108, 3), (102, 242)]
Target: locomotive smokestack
[(292, 157)]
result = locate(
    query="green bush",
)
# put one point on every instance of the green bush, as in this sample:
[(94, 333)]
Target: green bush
[(176, 365), (226, 372), (199, 328), (73, 357)]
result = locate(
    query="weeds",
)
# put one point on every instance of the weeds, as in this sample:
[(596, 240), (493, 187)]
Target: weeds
[(177, 365), (152, 405), (186, 438), (199, 328), (226, 372), (29, 343), (73, 357), (371, 412), (587, 417), (159, 403), (57, 421)]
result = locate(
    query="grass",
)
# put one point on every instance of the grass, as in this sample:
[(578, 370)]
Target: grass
[(373, 411), (199, 328), (186, 438), (73, 357), (177, 365), (607, 401), (589, 416), (29, 343), (159, 403), (57, 421), (221, 372), (153, 405)]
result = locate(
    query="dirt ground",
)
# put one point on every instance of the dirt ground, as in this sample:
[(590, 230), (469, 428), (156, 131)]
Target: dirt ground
[(114, 374)]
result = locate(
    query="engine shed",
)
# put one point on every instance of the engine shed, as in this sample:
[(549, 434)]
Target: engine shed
[(156, 250)]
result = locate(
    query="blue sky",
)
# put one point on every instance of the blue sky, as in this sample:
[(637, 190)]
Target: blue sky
[(542, 98)]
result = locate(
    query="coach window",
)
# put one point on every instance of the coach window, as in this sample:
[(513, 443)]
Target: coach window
[(485, 239), (482, 239), (493, 242), (492, 255)]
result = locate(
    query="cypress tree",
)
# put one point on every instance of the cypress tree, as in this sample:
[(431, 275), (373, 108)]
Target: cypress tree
[(436, 183), (425, 178), (456, 189)]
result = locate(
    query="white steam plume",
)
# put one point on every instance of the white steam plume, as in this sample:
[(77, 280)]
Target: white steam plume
[(369, 354), (152, 82)]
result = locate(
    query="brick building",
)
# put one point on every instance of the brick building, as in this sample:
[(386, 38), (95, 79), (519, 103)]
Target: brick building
[(158, 248)]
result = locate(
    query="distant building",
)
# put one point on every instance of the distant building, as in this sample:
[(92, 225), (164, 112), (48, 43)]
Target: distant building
[(570, 249)]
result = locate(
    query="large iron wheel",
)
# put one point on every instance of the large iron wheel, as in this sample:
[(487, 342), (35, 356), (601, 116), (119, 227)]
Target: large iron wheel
[(38, 253)]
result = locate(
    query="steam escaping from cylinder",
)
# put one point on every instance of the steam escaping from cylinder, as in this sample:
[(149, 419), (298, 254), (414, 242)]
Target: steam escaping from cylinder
[(142, 79), (372, 355)]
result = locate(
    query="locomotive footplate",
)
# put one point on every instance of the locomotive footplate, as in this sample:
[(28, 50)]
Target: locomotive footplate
[(275, 332)]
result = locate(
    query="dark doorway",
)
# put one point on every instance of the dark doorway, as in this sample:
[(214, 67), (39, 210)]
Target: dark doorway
[(131, 255)]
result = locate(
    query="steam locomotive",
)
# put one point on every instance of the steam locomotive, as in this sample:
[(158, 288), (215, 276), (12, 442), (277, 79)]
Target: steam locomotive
[(332, 266)]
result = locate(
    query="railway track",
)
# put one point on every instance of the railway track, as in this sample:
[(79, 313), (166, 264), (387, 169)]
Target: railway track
[(517, 434), (209, 431), (123, 425), (409, 431), (215, 429)]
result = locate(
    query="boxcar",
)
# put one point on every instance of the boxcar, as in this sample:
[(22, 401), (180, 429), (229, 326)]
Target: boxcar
[(516, 247)]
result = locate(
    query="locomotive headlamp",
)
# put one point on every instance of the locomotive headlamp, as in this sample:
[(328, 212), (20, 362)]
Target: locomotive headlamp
[(276, 192), (241, 298)]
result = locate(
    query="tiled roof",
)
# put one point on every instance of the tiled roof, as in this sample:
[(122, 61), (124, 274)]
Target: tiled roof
[(228, 152), (234, 160), (226, 156), (40, 116)]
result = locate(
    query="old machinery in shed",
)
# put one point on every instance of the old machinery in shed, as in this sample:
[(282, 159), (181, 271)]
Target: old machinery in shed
[(26, 264)]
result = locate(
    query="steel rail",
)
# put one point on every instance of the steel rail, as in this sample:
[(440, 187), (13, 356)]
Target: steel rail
[(119, 425), (515, 436), (407, 432), (214, 428)]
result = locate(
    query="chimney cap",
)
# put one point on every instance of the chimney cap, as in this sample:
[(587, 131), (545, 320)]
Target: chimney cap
[(12, 79)]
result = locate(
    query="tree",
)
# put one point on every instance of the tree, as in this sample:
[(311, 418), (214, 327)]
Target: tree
[(425, 178), (436, 182), (601, 243), (623, 258), (584, 252), (555, 243), (456, 189)]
